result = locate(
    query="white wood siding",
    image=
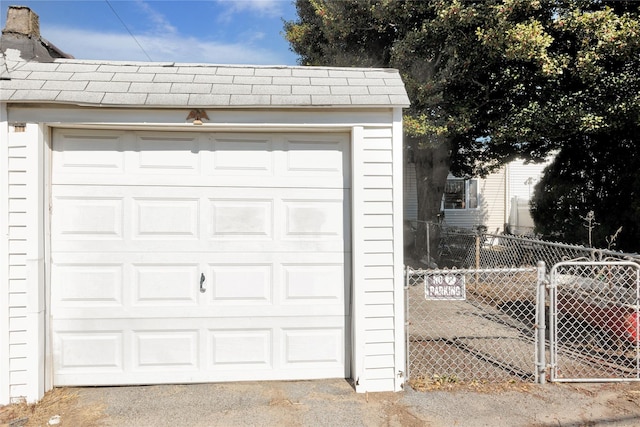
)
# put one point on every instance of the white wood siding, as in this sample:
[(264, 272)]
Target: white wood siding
[(492, 200), (4, 256), (17, 263), (378, 259), (25, 263), (520, 175), (522, 179), (398, 252)]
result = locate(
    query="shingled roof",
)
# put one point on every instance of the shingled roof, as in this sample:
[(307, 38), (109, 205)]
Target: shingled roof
[(168, 85)]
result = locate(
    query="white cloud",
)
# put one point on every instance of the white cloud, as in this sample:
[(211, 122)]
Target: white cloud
[(86, 44), (161, 23), (266, 8), (271, 8)]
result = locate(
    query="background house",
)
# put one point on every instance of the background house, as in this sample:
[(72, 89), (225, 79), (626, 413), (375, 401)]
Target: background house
[(176, 223), (499, 201)]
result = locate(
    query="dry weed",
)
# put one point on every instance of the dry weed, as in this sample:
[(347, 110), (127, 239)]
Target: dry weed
[(443, 383), (58, 404)]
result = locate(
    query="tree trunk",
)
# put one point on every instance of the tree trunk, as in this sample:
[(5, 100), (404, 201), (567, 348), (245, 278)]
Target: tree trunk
[(432, 164)]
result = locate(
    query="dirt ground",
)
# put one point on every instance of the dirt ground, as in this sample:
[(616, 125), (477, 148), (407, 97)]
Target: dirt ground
[(333, 403)]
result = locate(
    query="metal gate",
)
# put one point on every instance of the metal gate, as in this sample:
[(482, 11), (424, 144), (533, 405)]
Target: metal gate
[(467, 325), (594, 321)]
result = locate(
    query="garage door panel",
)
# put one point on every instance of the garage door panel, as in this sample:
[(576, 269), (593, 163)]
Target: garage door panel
[(164, 284), (301, 284), (240, 284), (319, 219), (138, 284), (199, 257), (313, 283), (165, 350), (240, 349), (94, 351), (253, 160), (241, 218), (235, 219), (89, 217), (154, 154), (240, 156), (313, 346), (282, 214), (82, 152), (136, 351), (166, 218), (324, 158), (87, 284)]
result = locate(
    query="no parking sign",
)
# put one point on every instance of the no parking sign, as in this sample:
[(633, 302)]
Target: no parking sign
[(450, 286)]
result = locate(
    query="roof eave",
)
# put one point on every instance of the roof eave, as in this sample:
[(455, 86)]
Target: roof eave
[(192, 106)]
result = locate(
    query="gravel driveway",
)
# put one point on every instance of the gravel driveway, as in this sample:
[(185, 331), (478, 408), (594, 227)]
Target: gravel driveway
[(334, 403)]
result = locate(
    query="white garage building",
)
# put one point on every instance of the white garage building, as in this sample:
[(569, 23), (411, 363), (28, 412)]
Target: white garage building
[(141, 247)]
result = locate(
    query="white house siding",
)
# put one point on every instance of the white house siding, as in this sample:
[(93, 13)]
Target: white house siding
[(4, 256), (24, 267), (17, 232), (492, 203), (26, 263), (523, 178), (379, 367)]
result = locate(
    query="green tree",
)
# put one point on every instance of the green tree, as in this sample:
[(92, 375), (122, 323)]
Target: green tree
[(592, 175), (489, 80)]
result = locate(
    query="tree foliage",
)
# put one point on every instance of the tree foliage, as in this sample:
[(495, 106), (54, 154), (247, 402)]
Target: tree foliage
[(489, 80), (594, 174)]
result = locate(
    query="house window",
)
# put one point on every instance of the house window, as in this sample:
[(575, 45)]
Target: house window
[(460, 194)]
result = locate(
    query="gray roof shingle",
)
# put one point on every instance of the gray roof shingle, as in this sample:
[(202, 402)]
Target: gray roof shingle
[(167, 85)]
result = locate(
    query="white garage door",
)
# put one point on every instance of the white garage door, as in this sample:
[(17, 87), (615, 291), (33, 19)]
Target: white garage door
[(194, 257)]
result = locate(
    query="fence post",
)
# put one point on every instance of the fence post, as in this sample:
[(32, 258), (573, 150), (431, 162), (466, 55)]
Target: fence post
[(408, 271), (541, 362), (477, 256), (477, 251), (428, 226)]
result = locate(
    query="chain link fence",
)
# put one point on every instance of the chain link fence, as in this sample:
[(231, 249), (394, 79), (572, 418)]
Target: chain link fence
[(595, 321), (483, 317), (493, 250), (472, 325), (446, 247), (465, 248)]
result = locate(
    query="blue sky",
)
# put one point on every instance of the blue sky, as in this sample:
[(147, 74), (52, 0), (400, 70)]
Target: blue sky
[(211, 31)]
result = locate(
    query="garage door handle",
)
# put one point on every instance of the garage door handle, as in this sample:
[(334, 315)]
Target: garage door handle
[(202, 279)]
